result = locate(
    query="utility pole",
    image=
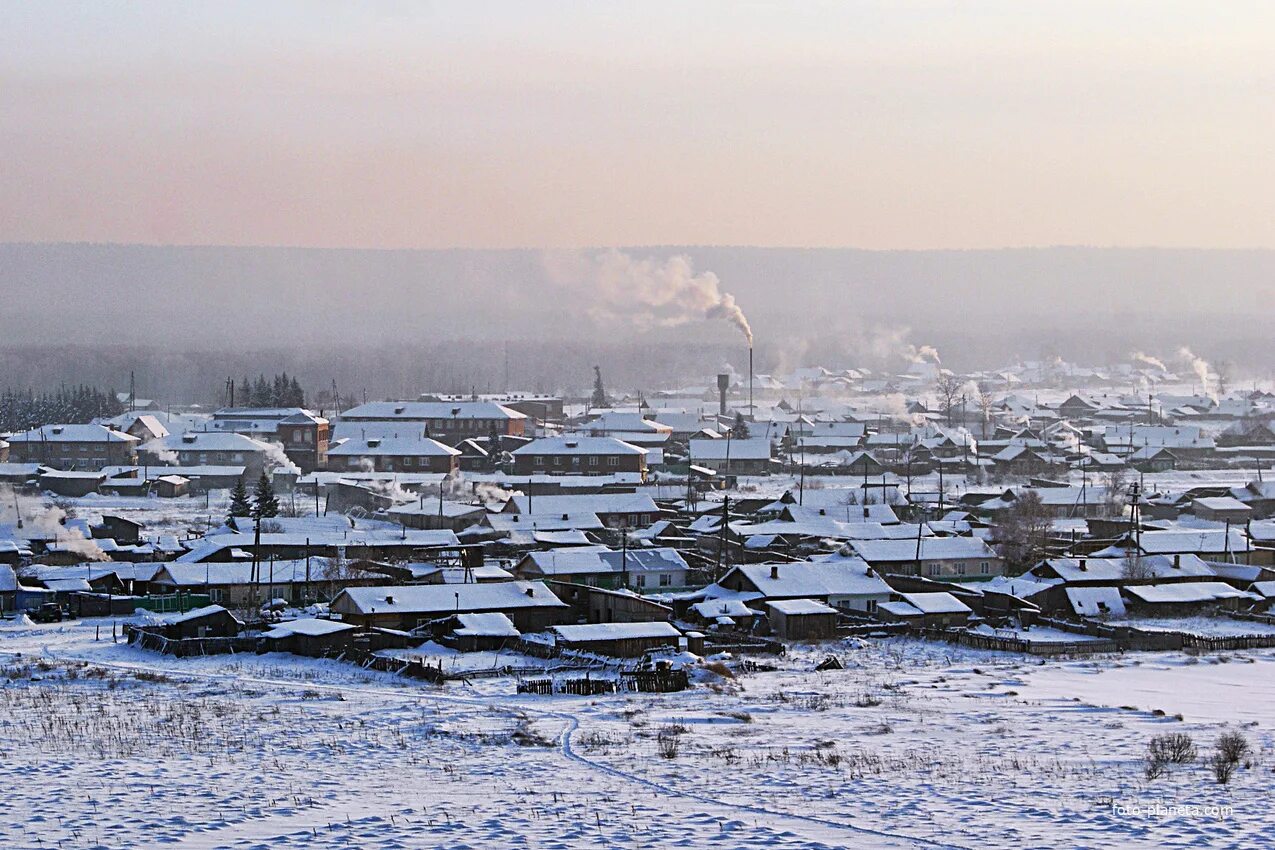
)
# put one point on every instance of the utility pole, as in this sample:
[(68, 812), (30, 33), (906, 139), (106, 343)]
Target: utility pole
[(721, 538), (624, 553)]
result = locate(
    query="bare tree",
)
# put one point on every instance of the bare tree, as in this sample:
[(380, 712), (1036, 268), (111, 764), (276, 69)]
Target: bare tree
[(948, 388), (985, 402), (1134, 568), (1114, 483), (1022, 531), (1224, 369)]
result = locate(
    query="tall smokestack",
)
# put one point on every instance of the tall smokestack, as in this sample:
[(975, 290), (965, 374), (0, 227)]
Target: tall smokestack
[(723, 384), (752, 413)]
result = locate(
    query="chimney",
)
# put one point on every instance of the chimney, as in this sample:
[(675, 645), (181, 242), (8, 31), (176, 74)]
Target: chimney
[(865, 511), (564, 517), (389, 600), (823, 512), (774, 571), (1081, 565), (1177, 562), (723, 384), (531, 591)]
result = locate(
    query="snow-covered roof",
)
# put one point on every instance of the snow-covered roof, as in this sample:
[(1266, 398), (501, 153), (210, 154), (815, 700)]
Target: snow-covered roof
[(508, 523), (845, 577), (1096, 601), (715, 608), (1211, 541), (422, 410), (393, 447), (192, 614), (1190, 591), (577, 445), (798, 607), (207, 441), (754, 448), (490, 624), (573, 561), (615, 420), (451, 598), (309, 626), (598, 503), (1220, 503), (89, 433), (930, 549), (588, 633), (936, 603)]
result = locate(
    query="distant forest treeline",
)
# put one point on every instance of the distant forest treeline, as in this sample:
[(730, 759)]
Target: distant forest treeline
[(316, 374), (24, 409)]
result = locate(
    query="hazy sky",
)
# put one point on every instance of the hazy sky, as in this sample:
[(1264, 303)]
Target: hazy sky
[(414, 124)]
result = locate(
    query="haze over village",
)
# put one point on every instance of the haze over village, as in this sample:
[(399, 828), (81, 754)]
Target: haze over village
[(835, 425)]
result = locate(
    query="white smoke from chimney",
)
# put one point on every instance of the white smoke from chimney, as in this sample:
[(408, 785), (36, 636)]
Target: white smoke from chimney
[(45, 522), (648, 292), (277, 459), (1139, 357), (1200, 367), (925, 353)]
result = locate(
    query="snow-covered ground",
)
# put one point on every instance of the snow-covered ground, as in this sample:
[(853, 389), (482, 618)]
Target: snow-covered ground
[(912, 745)]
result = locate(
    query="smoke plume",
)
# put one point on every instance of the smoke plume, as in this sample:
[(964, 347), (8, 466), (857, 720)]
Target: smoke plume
[(648, 292), (922, 354), (1139, 357), (1199, 366), (278, 460)]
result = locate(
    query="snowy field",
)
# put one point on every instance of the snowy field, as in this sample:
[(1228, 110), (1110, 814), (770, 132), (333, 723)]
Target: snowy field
[(912, 745)]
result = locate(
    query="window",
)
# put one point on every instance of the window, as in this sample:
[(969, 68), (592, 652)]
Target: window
[(557, 460), (666, 580), (613, 461), (644, 519), (984, 567), (960, 568), (593, 460), (872, 606), (932, 569), (641, 580)]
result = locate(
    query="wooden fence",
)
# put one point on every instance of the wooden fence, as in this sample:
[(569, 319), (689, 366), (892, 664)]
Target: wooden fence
[(1003, 643), (660, 681), (1157, 640), (184, 647)]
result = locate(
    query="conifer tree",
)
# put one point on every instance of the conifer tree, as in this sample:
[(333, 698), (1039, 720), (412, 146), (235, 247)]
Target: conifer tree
[(265, 505), (240, 506)]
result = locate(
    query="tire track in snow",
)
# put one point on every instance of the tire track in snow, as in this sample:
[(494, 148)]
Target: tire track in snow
[(564, 742)]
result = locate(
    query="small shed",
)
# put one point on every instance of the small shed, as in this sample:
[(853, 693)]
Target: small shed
[(477, 632), (70, 484), (926, 610), (207, 622), (724, 614), (1181, 599), (309, 636), (171, 486), (620, 640), (8, 588), (1098, 602), (802, 619), (1222, 509)]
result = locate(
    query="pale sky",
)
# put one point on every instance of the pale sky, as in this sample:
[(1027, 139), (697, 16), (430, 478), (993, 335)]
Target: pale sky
[(410, 124)]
